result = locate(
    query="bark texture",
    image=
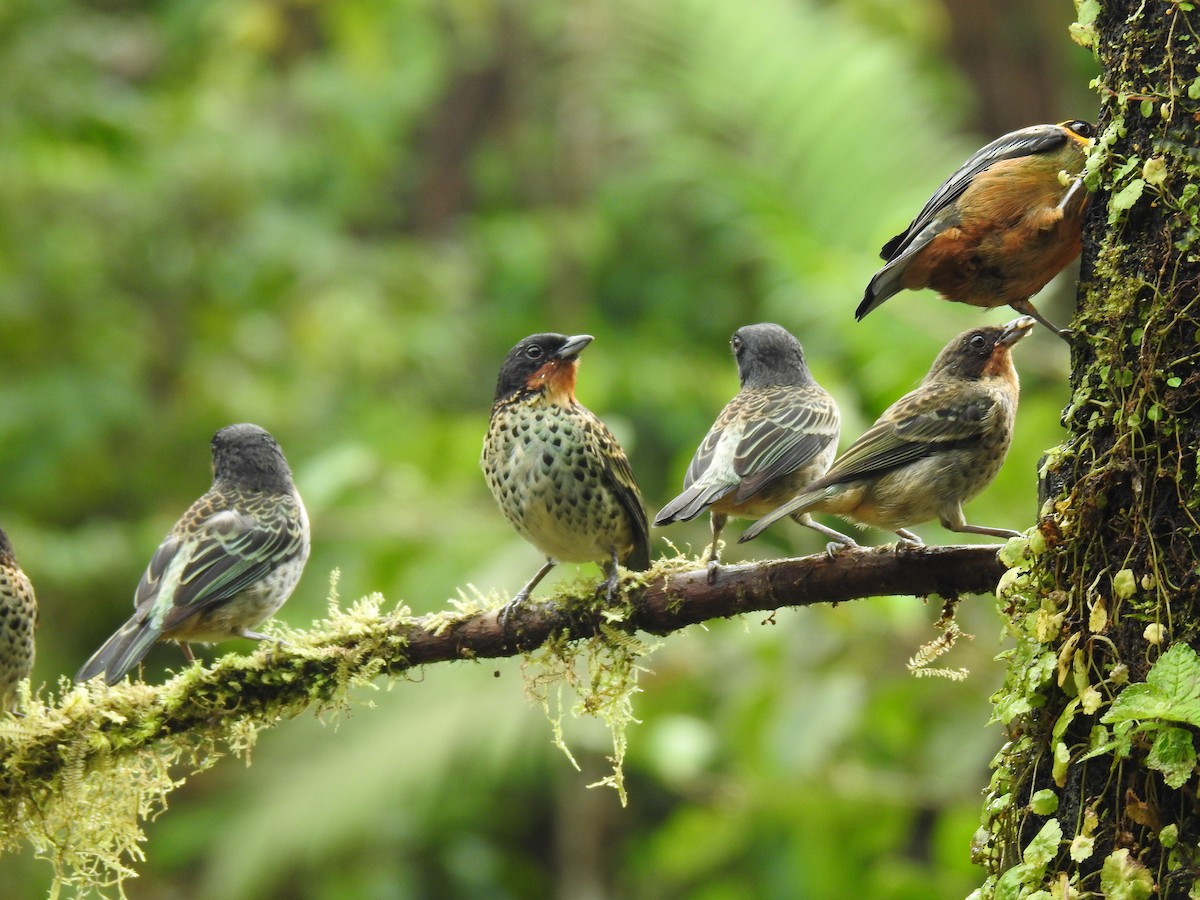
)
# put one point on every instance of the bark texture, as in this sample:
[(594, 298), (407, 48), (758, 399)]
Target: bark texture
[(1095, 793)]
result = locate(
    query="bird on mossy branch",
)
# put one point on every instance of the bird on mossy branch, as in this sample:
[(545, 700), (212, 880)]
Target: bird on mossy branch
[(18, 619), (228, 564), (998, 229), (932, 450), (556, 471), (778, 434)]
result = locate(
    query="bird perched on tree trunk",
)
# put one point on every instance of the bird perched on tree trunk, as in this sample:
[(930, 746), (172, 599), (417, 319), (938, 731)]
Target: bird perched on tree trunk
[(18, 619), (227, 565), (932, 450), (556, 471), (999, 228), (769, 442)]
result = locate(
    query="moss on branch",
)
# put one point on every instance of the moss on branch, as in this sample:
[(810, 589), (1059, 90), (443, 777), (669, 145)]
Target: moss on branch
[(81, 770)]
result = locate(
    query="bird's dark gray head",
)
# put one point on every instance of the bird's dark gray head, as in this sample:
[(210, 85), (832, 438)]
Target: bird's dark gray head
[(541, 361), (981, 352), (768, 355), (247, 457)]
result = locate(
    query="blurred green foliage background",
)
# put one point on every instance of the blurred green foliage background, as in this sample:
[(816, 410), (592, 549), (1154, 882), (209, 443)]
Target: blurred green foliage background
[(333, 219)]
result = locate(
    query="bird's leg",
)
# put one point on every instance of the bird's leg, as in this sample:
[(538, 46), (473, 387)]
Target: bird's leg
[(837, 540), (187, 651), (983, 529), (521, 596), (714, 551), (1026, 308), (954, 520), (613, 576), (909, 538), (258, 636)]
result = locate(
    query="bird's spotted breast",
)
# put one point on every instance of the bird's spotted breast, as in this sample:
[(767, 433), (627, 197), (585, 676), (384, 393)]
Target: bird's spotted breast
[(546, 470)]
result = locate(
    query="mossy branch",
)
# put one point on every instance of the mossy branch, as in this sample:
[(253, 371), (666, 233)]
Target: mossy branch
[(80, 772)]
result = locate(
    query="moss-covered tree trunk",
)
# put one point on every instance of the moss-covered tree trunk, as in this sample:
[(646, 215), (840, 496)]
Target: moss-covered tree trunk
[(1095, 793)]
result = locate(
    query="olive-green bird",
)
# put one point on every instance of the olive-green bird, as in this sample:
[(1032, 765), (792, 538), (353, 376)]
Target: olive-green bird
[(769, 442), (227, 565), (932, 450), (556, 471), (18, 619)]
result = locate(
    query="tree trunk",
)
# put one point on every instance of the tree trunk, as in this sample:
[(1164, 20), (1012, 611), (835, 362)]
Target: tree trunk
[(1095, 793)]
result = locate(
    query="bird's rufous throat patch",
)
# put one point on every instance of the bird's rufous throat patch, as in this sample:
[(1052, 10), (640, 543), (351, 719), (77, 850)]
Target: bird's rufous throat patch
[(557, 379)]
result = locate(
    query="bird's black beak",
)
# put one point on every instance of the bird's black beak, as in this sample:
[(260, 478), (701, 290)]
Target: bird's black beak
[(1015, 330), (574, 346)]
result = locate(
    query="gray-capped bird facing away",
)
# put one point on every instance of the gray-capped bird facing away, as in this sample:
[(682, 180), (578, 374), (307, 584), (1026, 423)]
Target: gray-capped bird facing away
[(770, 441), (226, 566), (556, 471), (18, 619), (933, 449)]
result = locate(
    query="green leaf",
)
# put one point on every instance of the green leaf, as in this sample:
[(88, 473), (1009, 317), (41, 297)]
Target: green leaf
[(1011, 705), (1174, 755), (1012, 883), (1177, 672), (1044, 802), (1155, 171), (1124, 584), (1062, 759), (1174, 381), (1169, 836), (1065, 718), (1126, 197), (1044, 846), (1123, 878), (1171, 691), (1081, 847), (1126, 167)]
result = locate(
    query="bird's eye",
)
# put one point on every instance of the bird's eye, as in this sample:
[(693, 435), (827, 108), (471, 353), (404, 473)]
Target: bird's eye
[(533, 351), (1081, 128), (978, 342), (736, 343)]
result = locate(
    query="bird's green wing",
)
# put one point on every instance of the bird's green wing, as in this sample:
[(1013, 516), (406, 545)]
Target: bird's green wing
[(938, 417), (221, 555), (618, 478), (789, 427)]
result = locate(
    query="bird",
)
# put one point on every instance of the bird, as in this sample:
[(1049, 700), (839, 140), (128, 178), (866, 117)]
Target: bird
[(932, 450), (18, 619), (778, 434), (228, 564), (557, 473), (998, 229)]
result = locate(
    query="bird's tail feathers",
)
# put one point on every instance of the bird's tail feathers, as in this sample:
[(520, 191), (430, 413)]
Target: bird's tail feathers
[(693, 501), (121, 652), (639, 558), (801, 503), (883, 284)]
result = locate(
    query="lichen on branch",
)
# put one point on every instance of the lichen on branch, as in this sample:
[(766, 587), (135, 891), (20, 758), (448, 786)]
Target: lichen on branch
[(86, 765)]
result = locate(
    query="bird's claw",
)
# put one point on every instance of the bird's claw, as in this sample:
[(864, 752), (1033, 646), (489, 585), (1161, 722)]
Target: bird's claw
[(507, 610), (833, 548), (714, 569)]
